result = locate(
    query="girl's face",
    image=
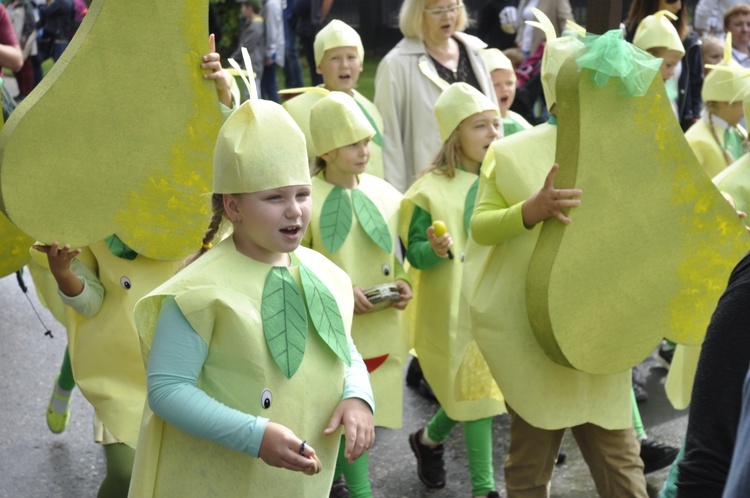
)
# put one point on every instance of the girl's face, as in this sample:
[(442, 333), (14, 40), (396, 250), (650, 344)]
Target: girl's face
[(731, 113), (504, 82), (346, 162), (673, 7), (669, 64), (739, 26), (475, 135), (439, 20), (340, 69), (270, 223)]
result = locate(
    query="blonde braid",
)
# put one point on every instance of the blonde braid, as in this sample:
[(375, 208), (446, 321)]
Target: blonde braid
[(217, 208)]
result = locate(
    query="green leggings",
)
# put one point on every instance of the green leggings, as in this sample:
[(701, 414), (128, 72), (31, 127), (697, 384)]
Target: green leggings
[(119, 467), (640, 431), (478, 437), (65, 380), (357, 474), (669, 490)]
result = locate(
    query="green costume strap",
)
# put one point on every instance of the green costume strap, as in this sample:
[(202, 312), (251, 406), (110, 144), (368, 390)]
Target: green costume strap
[(377, 138), (336, 219), (734, 143), (119, 248), (510, 127), (356, 475), (552, 120), (285, 317), (471, 201)]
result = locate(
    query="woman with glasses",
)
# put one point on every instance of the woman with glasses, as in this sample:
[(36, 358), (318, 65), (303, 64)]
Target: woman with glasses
[(433, 54)]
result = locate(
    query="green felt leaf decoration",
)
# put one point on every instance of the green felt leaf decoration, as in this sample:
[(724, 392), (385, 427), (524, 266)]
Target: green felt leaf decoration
[(372, 221), (471, 200), (377, 138), (120, 249), (325, 314), (284, 320), (335, 219)]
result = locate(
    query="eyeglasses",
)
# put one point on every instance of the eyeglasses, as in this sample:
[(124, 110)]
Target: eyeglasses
[(448, 10)]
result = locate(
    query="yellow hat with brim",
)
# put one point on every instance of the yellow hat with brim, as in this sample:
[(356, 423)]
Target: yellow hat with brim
[(337, 34), (556, 52), (657, 31), (458, 102), (495, 59), (335, 121), (728, 80)]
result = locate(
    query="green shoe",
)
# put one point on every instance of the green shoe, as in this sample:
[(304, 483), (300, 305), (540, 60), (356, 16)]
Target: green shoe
[(57, 422)]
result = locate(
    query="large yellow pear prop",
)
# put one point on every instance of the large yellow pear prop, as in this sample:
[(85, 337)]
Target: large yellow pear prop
[(118, 138), (650, 248), (14, 250)]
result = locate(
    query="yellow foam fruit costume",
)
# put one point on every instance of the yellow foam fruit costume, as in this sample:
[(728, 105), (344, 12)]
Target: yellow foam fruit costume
[(104, 349), (433, 313), (336, 34), (336, 121), (495, 59), (657, 31), (727, 82), (221, 295)]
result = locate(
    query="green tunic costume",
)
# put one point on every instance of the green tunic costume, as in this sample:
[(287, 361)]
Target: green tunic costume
[(220, 295), (379, 336)]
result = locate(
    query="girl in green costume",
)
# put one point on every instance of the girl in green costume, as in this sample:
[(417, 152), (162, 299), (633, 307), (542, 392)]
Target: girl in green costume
[(251, 368), (354, 224), (469, 122)]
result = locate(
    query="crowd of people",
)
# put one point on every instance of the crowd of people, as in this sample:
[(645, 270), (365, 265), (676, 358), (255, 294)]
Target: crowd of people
[(282, 343)]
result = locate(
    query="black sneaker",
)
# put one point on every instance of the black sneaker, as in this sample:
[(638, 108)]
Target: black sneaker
[(339, 489), (430, 465), (641, 395), (666, 354), (656, 455), (414, 374), (494, 494), (561, 457)]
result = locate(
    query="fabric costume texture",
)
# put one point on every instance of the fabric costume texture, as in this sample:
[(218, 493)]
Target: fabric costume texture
[(703, 143), (104, 348), (299, 108), (514, 123), (433, 313), (220, 295), (717, 395), (494, 293), (405, 95), (378, 333)]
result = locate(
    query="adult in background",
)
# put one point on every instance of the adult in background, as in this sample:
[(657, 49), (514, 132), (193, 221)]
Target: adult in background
[(56, 21), (528, 38), (10, 52), (273, 18), (292, 66), (737, 22), (24, 25), (433, 54), (309, 18), (689, 73), (496, 24), (709, 14)]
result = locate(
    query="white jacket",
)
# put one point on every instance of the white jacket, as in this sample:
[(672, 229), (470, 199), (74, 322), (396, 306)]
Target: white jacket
[(405, 97), (710, 14), (274, 23)]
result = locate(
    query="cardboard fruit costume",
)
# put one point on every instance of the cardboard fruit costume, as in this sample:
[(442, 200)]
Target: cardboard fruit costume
[(603, 290), (139, 148), (433, 313), (220, 295)]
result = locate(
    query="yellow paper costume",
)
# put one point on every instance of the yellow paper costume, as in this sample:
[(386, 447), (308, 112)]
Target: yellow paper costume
[(104, 349), (220, 295)]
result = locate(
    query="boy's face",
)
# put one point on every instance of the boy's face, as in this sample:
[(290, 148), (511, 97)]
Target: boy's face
[(712, 53), (247, 11), (504, 81), (340, 69), (668, 65)]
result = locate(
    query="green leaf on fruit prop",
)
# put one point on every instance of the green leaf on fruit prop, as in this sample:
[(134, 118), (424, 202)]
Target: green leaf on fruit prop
[(118, 138), (371, 220), (284, 320), (650, 248), (335, 219), (325, 314)]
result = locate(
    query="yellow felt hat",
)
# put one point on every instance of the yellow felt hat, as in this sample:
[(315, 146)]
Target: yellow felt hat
[(657, 31), (458, 102), (337, 34), (260, 147), (556, 52), (728, 81), (495, 59), (335, 121)]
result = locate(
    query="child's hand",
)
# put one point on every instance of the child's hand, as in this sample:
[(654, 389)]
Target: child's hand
[(362, 305), (356, 417), (281, 448), (548, 202), (440, 245), (731, 202), (405, 290), (60, 260), (222, 79)]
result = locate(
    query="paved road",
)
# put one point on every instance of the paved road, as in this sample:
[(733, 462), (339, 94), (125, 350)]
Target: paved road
[(37, 463)]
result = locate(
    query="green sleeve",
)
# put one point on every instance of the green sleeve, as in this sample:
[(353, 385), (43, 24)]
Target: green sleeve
[(493, 221), (419, 251)]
